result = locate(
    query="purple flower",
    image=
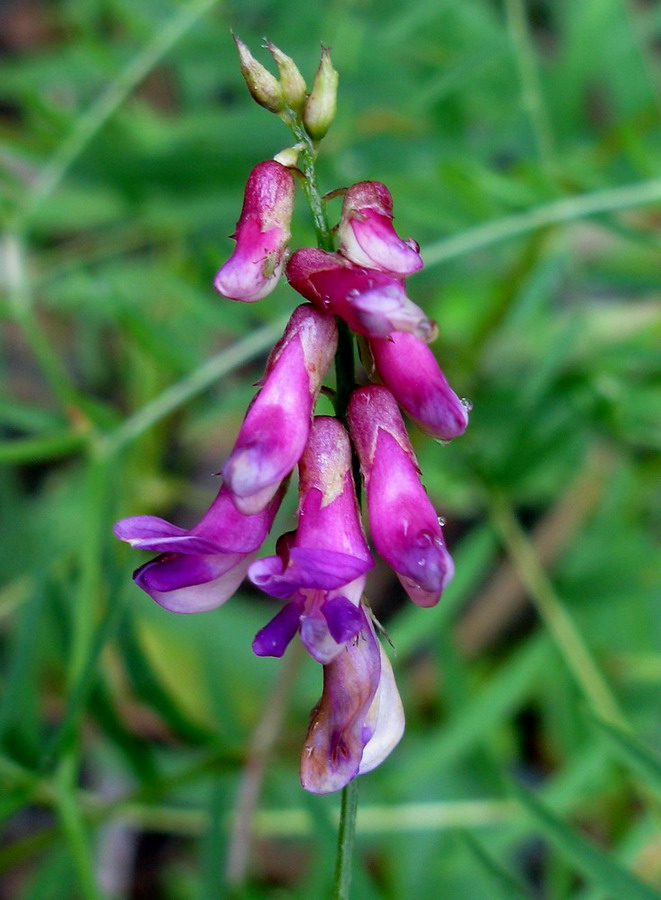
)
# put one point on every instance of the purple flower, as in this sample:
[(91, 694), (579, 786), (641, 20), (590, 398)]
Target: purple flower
[(276, 426), (359, 719), (321, 567), (200, 569), (262, 233), (366, 233), (403, 524), (372, 303), (409, 370)]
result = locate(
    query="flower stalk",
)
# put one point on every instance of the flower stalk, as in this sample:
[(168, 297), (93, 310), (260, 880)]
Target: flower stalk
[(355, 283)]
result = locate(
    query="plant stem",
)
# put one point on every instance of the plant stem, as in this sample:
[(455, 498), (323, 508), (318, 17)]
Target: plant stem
[(345, 381), (345, 841)]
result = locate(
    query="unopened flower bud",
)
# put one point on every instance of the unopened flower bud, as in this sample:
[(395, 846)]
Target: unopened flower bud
[(264, 87), (288, 157), (262, 233), (371, 302), (404, 526), (319, 110), (276, 427), (366, 233), (409, 369), (292, 82)]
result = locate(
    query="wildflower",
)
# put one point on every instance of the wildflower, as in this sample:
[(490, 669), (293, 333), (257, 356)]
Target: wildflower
[(366, 233), (359, 719), (372, 303), (294, 90), (321, 567), (264, 87), (199, 569), (403, 524), (320, 107), (409, 370), (262, 233), (275, 429)]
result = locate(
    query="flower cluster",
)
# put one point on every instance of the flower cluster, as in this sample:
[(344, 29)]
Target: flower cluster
[(319, 570)]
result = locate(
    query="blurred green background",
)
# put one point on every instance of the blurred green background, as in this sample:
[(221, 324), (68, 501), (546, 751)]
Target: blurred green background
[(522, 144)]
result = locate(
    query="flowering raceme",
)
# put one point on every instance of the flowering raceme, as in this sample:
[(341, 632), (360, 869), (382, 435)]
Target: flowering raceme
[(320, 568)]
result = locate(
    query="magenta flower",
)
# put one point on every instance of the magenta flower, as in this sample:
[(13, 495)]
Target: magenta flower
[(321, 567), (359, 719), (199, 569), (262, 234), (372, 303), (366, 233), (409, 370), (276, 426), (403, 524)]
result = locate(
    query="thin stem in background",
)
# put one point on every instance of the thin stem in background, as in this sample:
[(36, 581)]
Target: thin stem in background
[(566, 635), (531, 91), (261, 745), (188, 387), (90, 123), (558, 212)]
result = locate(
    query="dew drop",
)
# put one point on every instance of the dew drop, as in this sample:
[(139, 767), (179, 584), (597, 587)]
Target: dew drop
[(441, 521), (467, 404)]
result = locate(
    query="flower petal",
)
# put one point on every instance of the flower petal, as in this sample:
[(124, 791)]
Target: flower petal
[(272, 639), (385, 719), (180, 591), (336, 737)]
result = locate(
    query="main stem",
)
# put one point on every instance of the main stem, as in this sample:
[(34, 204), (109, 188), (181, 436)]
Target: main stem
[(345, 382)]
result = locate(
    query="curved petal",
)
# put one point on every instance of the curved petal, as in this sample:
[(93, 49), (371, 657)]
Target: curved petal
[(336, 737), (192, 597), (272, 639), (385, 719)]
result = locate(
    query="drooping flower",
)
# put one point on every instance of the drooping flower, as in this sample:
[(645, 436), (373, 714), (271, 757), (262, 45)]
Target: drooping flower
[(403, 524), (276, 426), (366, 233), (198, 569), (372, 303), (321, 567), (359, 719), (409, 370), (261, 235)]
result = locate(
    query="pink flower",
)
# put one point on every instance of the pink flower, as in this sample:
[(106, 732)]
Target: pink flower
[(366, 233), (262, 234), (321, 567), (372, 303), (199, 569), (409, 370), (403, 524), (359, 719), (276, 426)]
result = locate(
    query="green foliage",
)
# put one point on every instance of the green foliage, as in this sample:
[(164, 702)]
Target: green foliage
[(522, 145)]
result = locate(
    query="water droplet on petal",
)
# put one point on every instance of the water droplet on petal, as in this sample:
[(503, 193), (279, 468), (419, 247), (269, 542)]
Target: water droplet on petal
[(467, 404), (441, 521)]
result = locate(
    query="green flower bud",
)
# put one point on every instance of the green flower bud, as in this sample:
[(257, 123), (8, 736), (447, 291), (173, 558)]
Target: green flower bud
[(264, 87), (319, 110), (293, 84)]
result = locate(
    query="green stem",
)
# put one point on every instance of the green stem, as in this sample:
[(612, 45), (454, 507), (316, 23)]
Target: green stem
[(345, 381), (345, 840)]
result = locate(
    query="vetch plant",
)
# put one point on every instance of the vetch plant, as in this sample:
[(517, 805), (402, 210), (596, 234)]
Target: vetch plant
[(355, 282)]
